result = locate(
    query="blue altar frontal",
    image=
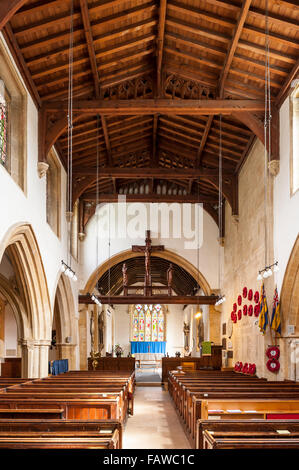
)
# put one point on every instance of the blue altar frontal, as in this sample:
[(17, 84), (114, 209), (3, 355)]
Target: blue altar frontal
[(148, 347)]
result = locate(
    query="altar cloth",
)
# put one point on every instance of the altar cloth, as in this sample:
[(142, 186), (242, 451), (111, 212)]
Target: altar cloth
[(148, 347)]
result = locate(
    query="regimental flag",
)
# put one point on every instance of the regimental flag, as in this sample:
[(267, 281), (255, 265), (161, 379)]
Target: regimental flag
[(263, 320), (276, 320)]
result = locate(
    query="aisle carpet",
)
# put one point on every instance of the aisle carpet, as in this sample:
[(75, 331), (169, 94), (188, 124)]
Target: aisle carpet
[(148, 374)]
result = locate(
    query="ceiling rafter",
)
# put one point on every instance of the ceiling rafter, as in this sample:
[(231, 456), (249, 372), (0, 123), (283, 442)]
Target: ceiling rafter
[(7, 9), (233, 46), (204, 139), (160, 43)]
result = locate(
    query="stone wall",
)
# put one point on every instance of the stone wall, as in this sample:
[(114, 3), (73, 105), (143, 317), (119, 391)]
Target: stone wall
[(244, 255)]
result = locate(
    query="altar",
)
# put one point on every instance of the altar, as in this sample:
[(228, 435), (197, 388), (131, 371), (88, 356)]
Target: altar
[(148, 352), (151, 347)]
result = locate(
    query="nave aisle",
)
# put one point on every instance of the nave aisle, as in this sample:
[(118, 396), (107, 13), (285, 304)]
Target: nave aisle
[(155, 424)]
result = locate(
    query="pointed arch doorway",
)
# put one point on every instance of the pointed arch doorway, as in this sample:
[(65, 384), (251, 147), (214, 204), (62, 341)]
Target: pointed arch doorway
[(23, 284)]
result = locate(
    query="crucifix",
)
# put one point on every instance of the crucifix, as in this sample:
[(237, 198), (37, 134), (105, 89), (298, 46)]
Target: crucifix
[(148, 248)]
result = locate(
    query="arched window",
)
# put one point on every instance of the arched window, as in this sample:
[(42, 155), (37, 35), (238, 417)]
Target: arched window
[(148, 323)]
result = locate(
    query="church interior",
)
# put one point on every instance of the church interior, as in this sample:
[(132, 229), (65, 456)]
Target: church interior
[(149, 235)]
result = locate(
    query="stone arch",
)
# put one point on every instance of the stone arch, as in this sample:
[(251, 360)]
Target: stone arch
[(290, 289), (31, 285), (166, 254), (64, 314), (15, 302), (289, 301)]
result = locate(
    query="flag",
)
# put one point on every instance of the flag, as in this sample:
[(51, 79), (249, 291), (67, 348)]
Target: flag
[(275, 320), (263, 320)]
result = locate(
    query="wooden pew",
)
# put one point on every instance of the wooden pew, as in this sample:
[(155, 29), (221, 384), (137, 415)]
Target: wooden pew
[(85, 398), (51, 433), (189, 391), (254, 427)]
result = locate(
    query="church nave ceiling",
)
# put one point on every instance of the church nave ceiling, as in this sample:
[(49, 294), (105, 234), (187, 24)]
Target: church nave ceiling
[(128, 51)]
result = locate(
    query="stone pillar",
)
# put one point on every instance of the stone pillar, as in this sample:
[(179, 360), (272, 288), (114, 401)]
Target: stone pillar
[(43, 353), (67, 351), (83, 328), (215, 324), (27, 358)]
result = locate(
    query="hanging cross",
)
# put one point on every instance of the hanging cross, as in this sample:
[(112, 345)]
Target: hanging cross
[(148, 248)]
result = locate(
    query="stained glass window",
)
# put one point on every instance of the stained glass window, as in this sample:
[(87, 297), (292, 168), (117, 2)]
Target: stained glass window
[(148, 323)]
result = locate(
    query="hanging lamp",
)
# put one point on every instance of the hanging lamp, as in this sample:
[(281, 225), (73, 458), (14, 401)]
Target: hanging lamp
[(221, 298), (66, 266), (266, 272)]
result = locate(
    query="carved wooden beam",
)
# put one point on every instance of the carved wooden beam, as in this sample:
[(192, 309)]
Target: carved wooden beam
[(165, 106), (256, 125), (148, 172), (160, 43), (191, 199), (20, 61), (107, 140), (90, 47), (204, 139), (229, 189), (233, 46), (157, 299), (155, 127), (7, 9)]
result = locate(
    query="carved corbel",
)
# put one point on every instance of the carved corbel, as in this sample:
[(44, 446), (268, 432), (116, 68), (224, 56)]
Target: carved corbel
[(42, 168), (274, 167)]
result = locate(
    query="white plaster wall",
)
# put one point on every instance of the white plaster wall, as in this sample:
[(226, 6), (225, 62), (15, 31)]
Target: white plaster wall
[(122, 328), (18, 207), (286, 206), (93, 256)]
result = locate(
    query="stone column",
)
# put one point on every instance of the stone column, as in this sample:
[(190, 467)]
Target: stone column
[(83, 328), (67, 351), (43, 354), (27, 358)]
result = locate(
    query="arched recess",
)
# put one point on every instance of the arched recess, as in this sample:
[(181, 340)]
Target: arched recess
[(166, 254), (290, 315), (15, 302), (33, 304), (65, 321), (290, 290)]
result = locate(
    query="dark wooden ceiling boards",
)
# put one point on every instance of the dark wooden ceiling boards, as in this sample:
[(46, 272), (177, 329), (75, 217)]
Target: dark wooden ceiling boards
[(111, 281), (129, 53)]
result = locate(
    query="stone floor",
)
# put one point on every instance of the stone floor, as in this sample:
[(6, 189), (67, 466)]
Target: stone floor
[(155, 424)]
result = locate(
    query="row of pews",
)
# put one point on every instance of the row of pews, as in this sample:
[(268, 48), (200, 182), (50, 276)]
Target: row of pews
[(227, 410), (75, 410)]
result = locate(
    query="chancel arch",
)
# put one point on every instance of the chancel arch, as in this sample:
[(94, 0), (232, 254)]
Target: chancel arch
[(29, 294), (167, 255)]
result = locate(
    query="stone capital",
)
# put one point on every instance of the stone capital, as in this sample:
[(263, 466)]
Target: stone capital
[(235, 219), (69, 216), (42, 168), (274, 167), (221, 241)]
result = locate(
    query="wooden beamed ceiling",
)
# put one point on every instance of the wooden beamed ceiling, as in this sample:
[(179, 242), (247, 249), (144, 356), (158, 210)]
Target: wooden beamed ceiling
[(150, 81), (111, 282)]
